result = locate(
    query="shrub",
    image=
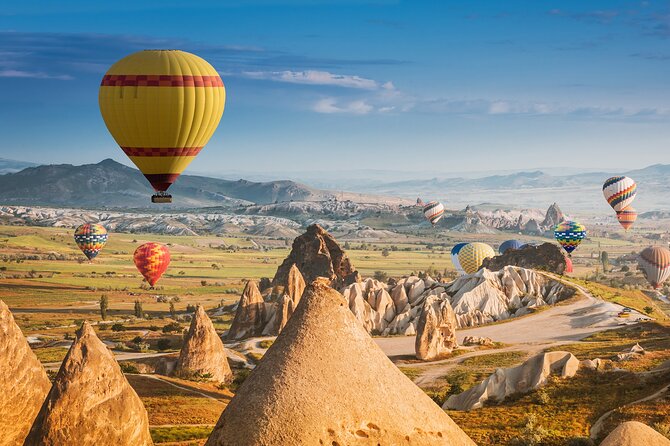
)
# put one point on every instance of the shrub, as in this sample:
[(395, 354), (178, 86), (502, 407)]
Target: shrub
[(118, 327), (382, 276), (163, 344), (172, 327), (127, 367)]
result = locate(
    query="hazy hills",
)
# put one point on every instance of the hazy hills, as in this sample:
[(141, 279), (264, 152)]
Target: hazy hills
[(10, 166), (111, 184)]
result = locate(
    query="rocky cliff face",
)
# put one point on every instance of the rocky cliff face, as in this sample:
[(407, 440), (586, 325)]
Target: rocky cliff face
[(325, 381), (203, 353), (316, 253), (250, 317), (91, 402), (528, 376), (547, 257), (23, 382), (436, 330)]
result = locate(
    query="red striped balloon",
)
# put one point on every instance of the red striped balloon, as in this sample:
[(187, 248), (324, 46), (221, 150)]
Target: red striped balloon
[(654, 261), (626, 217), (152, 260)]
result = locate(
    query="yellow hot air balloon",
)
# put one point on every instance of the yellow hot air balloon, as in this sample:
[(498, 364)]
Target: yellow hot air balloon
[(471, 256), (161, 107)]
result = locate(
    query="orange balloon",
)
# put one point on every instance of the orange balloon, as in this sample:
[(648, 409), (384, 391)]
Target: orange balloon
[(152, 260)]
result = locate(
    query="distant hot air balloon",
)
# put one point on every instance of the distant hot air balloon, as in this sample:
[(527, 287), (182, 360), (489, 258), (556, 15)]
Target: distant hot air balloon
[(619, 192), (569, 235), (471, 256), (433, 211), (654, 261), (91, 238), (510, 244), (161, 107), (454, 257), (568, 265), (626, 217), (151, 260)]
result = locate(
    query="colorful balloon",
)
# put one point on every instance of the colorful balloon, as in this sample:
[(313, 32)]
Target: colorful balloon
[(626, 217), (569, 235), (151, 260), (471, 256), (619, 192), (510, 244), (454, 257), (91, 238), (568, 265), (654, 262), (433, 212), (161, 107)]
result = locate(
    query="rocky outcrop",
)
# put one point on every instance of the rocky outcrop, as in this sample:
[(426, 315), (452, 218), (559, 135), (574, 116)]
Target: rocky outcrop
[(436, 330), (203, 354), (553, 217), (528, 376), (295, 285), (634, 433), (23, 382), (547, 257), (476, 340), (316, 253), (330, 384), (90, 400), (634, 353), (250, 317)]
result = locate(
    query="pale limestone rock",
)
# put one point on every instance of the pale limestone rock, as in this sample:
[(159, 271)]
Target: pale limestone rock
[(436, 330), (90, 401), (203, 352), (330, 384), (23, 382), (634, 433), (250, 317)]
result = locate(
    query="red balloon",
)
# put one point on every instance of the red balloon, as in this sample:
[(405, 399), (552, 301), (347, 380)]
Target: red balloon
[(152, 260)]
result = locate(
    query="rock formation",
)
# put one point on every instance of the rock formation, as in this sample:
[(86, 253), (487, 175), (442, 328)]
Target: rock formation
[(521, 379), (634, 353), (23, 382), (90, 400), (316, 253), (476, 340), (436, 330), (634, 433), (203, 353), (330, 384), (547, 257), (250, 316), (553, 217), (290, 298)]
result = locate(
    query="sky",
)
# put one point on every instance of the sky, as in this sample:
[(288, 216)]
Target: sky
[(412, 86)]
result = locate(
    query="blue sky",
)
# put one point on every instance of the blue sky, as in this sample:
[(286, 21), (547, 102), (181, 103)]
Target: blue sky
[(344, 85)]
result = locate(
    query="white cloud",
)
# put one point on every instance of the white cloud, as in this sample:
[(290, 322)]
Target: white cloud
[(313, 77), (330, 105), (34, 75)]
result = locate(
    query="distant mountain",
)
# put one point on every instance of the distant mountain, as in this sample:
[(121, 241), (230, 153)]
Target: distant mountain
[(111, 184), (11, 166)]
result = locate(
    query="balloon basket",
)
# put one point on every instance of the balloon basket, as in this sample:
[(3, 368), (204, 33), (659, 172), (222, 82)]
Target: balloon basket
[(161, 198)]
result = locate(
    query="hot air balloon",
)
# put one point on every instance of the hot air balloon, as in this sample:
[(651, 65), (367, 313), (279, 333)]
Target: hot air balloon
[(568, 265), (626, 217), (91, 238), (471, 256), (433, 211), (151, 260), (619, 192), (654, 261), (161, 107), (454, 257), (569, 235), (510, 244)]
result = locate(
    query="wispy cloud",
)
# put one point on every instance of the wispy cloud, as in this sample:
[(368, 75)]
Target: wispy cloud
[(34, 75), (598, 16), (324, 78), (651, 56), (331, 105)]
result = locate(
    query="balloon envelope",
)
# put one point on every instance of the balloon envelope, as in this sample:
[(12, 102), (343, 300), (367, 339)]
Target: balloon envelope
[(472, 255), (619, 192), (152, 260), (510, 244), (568, 265), (90, 238), (433, 212), (569, 234), (161, 107), (454, 256), (626, 217), (654, 262)]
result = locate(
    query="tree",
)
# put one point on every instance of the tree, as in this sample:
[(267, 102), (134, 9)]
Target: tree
[(173, 311), (605, 260), (163, 344), (385, 252), (382, 276), (648, 310), (347, 245), (138, 309), (104, 305), (625, 268)]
